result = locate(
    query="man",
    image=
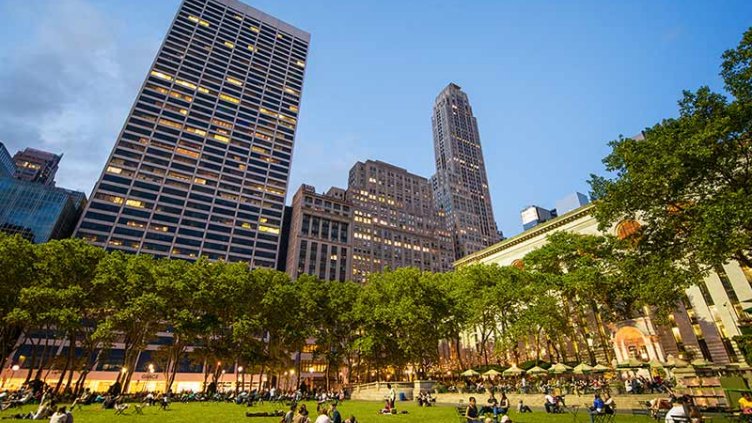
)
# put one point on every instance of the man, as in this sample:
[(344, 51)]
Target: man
[(550, 404), (392, 395), (323, 417), (598, 408), (745, 403), (290, 414), (471, 413), (336, 417)]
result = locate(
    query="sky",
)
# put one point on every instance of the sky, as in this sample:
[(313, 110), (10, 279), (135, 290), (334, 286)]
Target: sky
[(550, 82)]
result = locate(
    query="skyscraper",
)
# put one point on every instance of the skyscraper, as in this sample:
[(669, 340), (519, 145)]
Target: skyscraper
[(201, 165), (460, 184), (7, 165), (38, 166), (395, 222)]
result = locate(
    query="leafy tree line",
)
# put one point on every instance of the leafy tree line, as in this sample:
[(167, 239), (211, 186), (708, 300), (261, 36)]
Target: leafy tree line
[(221, 312)]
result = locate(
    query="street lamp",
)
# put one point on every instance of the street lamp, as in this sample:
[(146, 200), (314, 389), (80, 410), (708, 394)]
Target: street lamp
[(242, 377), (590, 350)]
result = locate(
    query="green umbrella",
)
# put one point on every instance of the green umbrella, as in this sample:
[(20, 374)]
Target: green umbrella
[(491, 373), (600, 368), (632, 363), (655, 364), (582, 369), (470, 373), (559, 368), (513, 371), (537, 371)]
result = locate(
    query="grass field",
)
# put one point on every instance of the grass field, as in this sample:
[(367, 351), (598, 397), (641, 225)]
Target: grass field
[(365, 412)]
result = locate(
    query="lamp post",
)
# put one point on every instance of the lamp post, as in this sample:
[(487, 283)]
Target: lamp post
[(242, 378), (590, 350)]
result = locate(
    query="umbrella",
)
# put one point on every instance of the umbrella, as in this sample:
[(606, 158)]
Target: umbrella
[(701, 362), (655, 364), (537, 371), (469, 373), (632, 363), (582, 369), (559, 368), (675, 362), (513, 371), (600, 368), (491, 373)]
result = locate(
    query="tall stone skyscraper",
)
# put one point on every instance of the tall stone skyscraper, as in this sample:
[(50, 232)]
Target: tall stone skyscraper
[(460, 184), (201, 165)]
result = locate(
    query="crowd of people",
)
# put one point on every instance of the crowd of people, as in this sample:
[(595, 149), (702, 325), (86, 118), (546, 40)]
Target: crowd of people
[(570, 385)]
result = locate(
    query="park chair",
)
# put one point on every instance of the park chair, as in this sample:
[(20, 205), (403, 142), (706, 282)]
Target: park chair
[(138, 408), (120, 409)]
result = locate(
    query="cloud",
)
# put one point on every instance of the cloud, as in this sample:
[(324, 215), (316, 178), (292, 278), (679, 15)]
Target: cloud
[(67, 85)]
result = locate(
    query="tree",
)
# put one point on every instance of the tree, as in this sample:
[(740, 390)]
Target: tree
[(689, 179), (17, 258)]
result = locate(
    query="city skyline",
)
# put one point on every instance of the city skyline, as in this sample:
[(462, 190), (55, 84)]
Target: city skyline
[(543, 132)]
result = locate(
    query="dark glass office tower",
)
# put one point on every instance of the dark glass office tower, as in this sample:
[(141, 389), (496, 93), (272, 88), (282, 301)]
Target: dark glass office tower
[(201, 165), (461, 184)]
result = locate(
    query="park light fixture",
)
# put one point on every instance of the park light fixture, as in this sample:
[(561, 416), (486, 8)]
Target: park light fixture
[(15, 367), (292, 371), (151, 368), (240, 369), (124, 370)]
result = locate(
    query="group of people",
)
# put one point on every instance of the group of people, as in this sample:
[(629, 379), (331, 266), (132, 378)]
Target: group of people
[(324, 414), (498, 408)]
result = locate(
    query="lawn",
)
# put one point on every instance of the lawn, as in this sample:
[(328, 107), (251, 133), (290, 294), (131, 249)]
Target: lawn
[(364, 411)]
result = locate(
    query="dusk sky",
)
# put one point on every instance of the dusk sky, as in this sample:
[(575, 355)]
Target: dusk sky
[(550, 82)]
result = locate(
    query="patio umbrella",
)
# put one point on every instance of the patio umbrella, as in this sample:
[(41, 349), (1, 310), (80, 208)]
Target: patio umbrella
[(655, 364), (491, 373), (537, 371), (675, 362), (470, 373), (632, 363), (513, 371), (559, 368), (600, 368), (582, 369)]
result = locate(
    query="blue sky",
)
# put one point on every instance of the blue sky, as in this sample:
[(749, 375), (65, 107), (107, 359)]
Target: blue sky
[(550, 82)]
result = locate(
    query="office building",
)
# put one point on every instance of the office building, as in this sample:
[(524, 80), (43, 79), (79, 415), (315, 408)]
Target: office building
[(460, 184), (38, 166), (572, 201), (319, 241), (38, 212), (395, 221), (534, 215), (7, 165), (201, 165)]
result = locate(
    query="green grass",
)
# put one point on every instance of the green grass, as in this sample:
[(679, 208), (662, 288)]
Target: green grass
[(364, 411)]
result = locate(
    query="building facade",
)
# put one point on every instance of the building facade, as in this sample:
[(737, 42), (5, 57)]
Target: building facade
[(319, 241), (460, 184), (7, 165), (395, 222), (702, 326), (38, 166), (201, 165), (38, 212), (534, 215)]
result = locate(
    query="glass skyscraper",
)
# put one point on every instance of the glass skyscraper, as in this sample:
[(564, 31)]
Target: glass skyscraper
[(460, 184), (201, 165), (38, 212)]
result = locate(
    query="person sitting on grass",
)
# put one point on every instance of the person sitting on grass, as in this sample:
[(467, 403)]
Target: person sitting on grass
[(323, 416), (351, 419), (302, 416), (471, 413), (336, 417), (523, 408)]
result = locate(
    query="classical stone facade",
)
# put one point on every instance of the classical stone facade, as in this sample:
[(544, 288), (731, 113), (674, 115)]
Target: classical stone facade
[(702, 325)]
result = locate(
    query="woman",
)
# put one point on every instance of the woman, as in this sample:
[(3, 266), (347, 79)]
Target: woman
[(504, 403)]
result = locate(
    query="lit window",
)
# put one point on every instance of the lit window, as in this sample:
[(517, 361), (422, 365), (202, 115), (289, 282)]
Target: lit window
[(135, 203), (221, 138), (161, 75), (293, 108), (185, 84), (234, 81), (300, 63), (193, 19), (229, 98), (115, 170), (200, 181), (203, 90), (196, 131), (251, 48), (229, 44), (187, 152), (198, 21), (268, 229), (254, 29), (170, 123)]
